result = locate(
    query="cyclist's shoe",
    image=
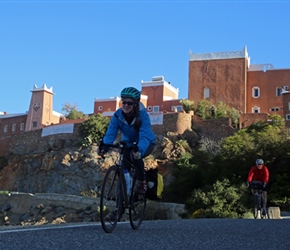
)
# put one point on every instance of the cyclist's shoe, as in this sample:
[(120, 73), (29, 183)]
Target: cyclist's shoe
[(142, 187), (264, 212)]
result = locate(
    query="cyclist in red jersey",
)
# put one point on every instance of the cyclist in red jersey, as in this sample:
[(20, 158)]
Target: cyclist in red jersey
[(260, 172)]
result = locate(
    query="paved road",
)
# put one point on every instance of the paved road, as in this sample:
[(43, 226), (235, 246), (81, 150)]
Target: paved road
[(178, 234)]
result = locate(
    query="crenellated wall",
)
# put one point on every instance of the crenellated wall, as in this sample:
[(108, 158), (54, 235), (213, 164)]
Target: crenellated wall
[(177, 122), (31, 141)]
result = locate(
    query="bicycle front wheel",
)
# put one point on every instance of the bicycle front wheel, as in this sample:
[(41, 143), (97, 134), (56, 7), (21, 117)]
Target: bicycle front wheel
[(110, 200), (255, 207), (263, 215), (137, 206)]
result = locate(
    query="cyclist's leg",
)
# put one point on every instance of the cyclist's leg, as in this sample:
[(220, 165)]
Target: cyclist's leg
[(139, 164), (140, 171), (264, 196), (127, 159), (140, 175)]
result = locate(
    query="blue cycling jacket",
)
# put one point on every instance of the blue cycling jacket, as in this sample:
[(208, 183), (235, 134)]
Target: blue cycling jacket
[(144, 137)]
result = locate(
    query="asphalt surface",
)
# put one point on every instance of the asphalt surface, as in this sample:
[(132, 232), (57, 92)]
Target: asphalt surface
[(173, 234)]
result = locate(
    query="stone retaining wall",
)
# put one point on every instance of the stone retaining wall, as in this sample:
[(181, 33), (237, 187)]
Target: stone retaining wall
[(34, 209)]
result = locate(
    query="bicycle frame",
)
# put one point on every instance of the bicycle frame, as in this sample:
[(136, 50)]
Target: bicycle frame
[(258, 198), (115, 184)]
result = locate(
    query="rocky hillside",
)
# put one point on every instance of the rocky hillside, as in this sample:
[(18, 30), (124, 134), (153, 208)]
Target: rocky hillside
[(67, 169), (78, 170)]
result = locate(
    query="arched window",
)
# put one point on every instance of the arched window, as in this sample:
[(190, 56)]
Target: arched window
[(255, 109), (206, 92), (256, 92)]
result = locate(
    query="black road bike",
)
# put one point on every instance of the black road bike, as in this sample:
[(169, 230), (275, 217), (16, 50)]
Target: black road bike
[(257, 186), (115, 200)]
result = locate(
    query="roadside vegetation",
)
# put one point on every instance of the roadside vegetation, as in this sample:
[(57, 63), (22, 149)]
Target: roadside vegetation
[(213, 184)]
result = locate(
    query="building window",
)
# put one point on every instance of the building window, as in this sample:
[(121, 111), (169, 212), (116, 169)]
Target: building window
[(176, 108), (173, 108), (256, 92), (5, 128), (155, 109), (100, 108), (34, 124), (288, 105), (274, 109), (278, 91), (256, 109), (22, 126), (206, 92), (288, 117), (13, 127)]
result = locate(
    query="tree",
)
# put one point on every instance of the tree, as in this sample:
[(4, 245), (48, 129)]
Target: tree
[(71, 111), (207, 110), (187, 105), (203, 109), (94, 128), (277, 120)]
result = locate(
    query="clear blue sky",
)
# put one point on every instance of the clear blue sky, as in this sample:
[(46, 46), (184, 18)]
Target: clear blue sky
[(92, 49)]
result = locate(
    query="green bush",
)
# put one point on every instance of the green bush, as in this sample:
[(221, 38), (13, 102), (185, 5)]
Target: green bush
[(187, 105), (218, 201), (93, 129)]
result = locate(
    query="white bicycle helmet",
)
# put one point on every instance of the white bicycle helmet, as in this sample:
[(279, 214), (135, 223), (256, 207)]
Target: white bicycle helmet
[(259, 162)]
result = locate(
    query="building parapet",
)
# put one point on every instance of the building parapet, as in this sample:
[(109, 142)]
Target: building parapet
[(219, 55), (261, 67)]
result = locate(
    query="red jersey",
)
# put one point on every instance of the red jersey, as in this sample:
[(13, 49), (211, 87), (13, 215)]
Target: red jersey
[(256, 174)]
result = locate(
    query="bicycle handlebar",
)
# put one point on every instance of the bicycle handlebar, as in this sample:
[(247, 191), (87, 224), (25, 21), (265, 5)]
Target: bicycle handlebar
[(121, 144), (257, 185)]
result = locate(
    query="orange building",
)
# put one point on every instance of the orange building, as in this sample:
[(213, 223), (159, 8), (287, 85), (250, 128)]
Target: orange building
[(157, 96), (39, 115), (40, 111), (286, 107), (230, 78)]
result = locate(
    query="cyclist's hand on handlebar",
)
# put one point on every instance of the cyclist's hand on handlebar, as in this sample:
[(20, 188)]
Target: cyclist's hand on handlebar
[(137, 155)]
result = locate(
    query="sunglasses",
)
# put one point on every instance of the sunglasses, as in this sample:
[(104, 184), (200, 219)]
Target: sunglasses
[(128, 103)]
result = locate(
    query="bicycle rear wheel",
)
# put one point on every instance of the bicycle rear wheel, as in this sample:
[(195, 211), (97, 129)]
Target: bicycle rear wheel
[(137, 206), (111, 200)]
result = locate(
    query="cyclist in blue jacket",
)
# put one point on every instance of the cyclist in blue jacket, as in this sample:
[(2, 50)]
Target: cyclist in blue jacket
[(133, 121)]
